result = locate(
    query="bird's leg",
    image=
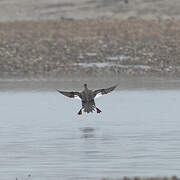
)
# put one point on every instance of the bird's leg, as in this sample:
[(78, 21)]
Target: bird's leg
[(80, 112), (98, 110)]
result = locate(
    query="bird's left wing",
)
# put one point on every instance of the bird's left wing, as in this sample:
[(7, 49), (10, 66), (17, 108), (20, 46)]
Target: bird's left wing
[(101, 92), (72, 94)]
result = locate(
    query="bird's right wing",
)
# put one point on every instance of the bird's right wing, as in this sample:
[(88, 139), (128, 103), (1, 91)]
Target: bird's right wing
[(72, 94), (101, 92)]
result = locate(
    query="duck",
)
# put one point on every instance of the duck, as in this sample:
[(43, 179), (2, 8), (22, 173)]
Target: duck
[(87, 97)]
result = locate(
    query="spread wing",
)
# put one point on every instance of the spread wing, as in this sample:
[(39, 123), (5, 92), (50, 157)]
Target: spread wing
[(72, 94), (101, 92)]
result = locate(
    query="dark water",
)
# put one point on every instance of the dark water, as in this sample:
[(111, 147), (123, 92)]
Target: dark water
[(137, 134)]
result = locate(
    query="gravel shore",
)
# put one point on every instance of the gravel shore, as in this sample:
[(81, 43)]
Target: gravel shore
[(96, 47), (150, 178)]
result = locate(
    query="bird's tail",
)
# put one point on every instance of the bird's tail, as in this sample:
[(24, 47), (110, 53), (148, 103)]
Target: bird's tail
[(89, 107)]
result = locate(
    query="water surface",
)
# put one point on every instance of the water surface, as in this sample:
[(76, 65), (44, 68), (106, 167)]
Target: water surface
[(137, 134)]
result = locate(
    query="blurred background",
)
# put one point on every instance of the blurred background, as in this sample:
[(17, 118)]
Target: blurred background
[(89, 38)]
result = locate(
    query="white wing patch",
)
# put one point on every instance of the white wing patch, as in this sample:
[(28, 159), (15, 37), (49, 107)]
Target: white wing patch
[(77, 97), (98, 95)]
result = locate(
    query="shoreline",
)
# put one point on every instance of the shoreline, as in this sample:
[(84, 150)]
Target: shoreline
[(90, 47), (125, 83)]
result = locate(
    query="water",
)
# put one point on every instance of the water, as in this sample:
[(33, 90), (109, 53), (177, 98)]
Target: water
[(107, 64), (137, 134)]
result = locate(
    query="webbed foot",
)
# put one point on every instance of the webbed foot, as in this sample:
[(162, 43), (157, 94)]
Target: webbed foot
[(80, 112), (98, 110)]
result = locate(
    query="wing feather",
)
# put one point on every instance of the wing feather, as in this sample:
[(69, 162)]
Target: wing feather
[(71, 94), (101, 92)]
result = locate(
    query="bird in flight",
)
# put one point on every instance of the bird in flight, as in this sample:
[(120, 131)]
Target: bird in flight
[(87, 97)]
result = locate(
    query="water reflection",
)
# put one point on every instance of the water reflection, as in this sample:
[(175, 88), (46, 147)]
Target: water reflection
[(87, 132), (28, 177)]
